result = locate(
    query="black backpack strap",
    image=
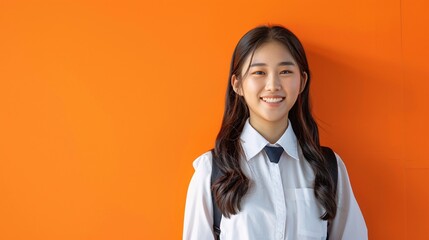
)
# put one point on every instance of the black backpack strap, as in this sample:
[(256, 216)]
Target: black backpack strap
[(332, 168), (332, 164), (217, 215)]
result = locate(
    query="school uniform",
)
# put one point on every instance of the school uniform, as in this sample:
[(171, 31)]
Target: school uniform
[(280, 203)]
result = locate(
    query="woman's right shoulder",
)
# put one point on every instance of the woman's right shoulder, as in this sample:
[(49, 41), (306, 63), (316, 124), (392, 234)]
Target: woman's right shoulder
[(203, 162)]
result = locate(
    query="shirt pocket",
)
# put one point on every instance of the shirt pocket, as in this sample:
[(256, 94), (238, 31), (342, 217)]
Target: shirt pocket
[(308, 211)]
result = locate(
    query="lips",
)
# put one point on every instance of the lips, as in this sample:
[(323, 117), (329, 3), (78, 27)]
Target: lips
[(275, 99)]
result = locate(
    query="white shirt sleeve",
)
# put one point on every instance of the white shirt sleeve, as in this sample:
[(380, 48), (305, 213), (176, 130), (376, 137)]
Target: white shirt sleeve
[(198, 223), (348, 223)]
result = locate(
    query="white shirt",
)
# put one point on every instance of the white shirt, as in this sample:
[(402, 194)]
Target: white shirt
[(280, 203)]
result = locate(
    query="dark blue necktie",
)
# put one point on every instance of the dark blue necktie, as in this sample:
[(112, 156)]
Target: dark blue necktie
[(274, 153)]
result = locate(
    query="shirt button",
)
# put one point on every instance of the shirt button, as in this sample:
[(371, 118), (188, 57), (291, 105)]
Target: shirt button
[(279, 235)]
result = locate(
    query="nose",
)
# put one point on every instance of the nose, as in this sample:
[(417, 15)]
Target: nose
[(273, 83)]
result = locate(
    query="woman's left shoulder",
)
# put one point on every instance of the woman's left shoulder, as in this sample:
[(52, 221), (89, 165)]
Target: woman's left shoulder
[(340, 162), (343, 175)]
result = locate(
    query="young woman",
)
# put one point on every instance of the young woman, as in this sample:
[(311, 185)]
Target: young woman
[(274, 182)]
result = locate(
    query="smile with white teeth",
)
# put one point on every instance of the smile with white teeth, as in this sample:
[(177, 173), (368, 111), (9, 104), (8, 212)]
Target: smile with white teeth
[(272, 100)]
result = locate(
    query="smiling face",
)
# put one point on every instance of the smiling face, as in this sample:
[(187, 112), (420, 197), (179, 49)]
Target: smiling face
[(271, 85)]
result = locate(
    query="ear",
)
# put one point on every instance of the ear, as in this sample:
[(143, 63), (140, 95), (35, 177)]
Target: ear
[(304, 79), (236, 85)]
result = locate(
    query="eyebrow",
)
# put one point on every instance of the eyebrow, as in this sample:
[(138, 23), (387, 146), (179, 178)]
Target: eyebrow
[(280, 64)]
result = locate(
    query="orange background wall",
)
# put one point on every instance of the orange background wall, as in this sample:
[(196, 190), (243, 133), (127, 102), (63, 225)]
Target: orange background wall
[(105, 104)]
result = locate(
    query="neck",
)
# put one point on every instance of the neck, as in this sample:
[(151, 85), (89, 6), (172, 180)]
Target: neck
[(272, 131)]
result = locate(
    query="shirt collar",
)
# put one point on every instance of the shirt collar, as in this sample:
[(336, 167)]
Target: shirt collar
[(253, 142)]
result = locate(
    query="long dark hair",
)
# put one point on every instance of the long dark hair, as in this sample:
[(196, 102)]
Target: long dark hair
[(229, 189)]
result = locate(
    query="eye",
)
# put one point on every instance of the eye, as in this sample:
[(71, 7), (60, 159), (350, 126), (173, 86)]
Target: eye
[(258, 73), (286, 72)]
